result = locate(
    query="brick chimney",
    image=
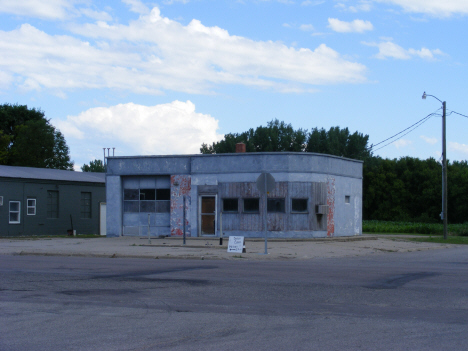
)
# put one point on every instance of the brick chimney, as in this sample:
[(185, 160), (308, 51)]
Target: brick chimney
[(240, 147)]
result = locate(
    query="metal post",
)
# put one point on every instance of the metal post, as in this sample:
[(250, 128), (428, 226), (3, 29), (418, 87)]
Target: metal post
[(184, 221), (149, 239), (444, 168), (265, 195), (221, 228)]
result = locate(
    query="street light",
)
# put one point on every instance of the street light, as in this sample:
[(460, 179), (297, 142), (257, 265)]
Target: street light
[(444, 164)]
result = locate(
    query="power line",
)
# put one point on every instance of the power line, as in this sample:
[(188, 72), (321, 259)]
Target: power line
[(424, 121), (415, 125), (459, 114)]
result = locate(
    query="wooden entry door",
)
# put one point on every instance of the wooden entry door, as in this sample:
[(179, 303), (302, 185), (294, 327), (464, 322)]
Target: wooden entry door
[(207, 215)]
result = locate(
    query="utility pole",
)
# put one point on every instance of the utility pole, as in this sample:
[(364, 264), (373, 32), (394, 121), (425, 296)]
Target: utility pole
[(444, 163), (444, 168)]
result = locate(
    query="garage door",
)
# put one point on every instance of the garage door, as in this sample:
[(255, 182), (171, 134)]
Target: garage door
[(143, 197)]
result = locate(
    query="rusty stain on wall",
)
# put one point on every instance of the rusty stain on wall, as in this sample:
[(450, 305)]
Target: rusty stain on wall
[(331, 207), (180, 186)]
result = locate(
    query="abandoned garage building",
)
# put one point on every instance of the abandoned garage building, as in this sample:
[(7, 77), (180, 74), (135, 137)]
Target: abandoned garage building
[(314, 195), (43, 201)]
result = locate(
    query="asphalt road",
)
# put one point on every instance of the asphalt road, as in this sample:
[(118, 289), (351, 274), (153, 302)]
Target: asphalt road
[(395, 301)]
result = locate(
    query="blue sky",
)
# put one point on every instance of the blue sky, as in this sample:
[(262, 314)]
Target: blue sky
[(161, 77)]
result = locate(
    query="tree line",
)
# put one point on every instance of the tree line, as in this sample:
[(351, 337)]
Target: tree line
[(404, 189)]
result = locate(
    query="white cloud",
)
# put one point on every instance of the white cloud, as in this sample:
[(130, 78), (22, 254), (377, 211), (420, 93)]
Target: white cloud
[(463, 148), (358, 26), (390, 49), (172, 128), (306, 27), (154, 53), (50, 9), (137, 6), (428, 140), (5, 80), (402, 143), (96, 15), (436, 8), (362, 6)]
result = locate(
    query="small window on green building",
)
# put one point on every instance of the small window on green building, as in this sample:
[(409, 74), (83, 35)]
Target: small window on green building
[(52, 204), (85, 205)]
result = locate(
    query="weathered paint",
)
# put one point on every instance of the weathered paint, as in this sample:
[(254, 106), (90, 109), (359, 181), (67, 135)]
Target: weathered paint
[(180, 187), (331, 207), (326, 180), (357, 216)]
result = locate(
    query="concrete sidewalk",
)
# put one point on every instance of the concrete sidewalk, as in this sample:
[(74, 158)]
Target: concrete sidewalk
[(209, 248)]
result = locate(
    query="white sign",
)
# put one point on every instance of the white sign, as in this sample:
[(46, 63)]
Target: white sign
[(236, 244)]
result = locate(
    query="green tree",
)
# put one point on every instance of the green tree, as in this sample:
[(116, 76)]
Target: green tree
[(276, 136), (339, 142), (94, 166), (5, 141), (28, 139)]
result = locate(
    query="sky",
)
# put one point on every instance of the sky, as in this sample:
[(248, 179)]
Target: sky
[(163, 77)]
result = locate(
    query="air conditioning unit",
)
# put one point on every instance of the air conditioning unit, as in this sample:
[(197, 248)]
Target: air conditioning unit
[(1, 200), (321, 209)]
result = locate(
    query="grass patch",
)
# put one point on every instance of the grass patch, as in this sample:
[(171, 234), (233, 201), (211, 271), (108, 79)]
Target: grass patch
[(386, 227), (459, 240)]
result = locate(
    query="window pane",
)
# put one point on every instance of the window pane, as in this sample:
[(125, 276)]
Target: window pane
[(230, 205), (14, 217), (31, 202), (163, 194), (14, 206), (147, 194), (31, 210), (147, 206), (131, 194), (275, 205), (131, 206), (85, 205), (14, 214), (163, 206), (299, 205), (251, 205)]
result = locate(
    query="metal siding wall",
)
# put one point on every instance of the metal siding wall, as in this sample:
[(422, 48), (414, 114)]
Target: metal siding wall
[(301, 221), (278, 221), (231, 221), (39, 224), (114, 212), (320, 197), (331, 207), (315, 192)]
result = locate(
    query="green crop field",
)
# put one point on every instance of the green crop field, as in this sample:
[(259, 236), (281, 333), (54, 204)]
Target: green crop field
[(384, 227)]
